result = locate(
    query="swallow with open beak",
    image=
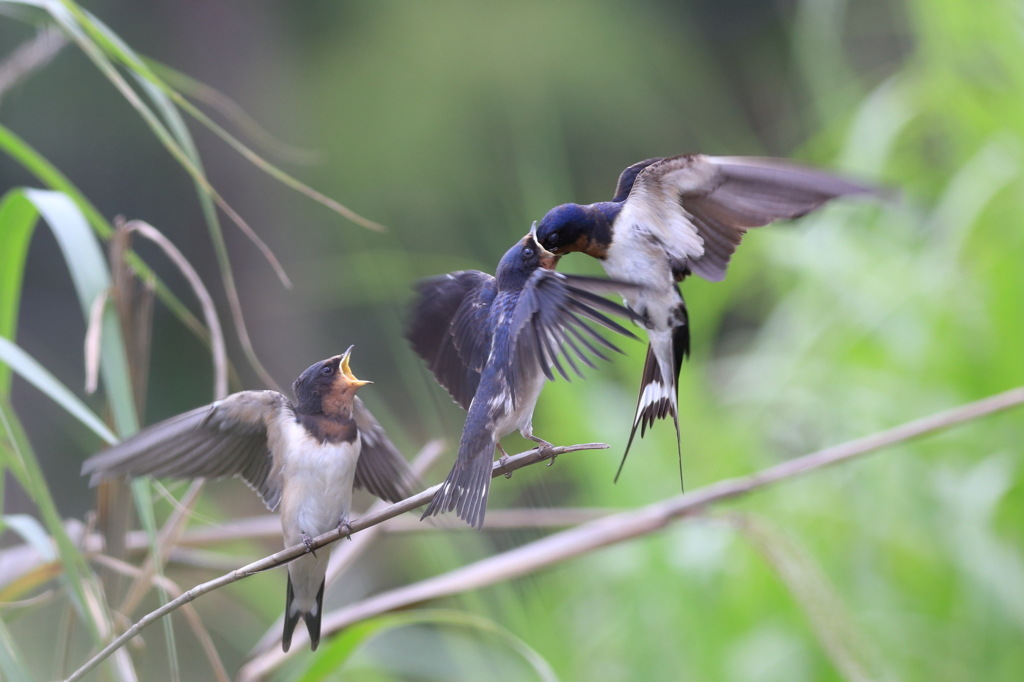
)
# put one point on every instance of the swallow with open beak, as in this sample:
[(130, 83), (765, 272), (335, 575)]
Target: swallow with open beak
[(493, 341), (304, 457), (672, 217)]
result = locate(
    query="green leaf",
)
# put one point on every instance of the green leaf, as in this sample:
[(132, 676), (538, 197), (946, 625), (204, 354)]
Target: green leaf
[(48, 174), (90, 275), (17, 219), (13, 357), (11, 662), (331, 658), (32, 532)]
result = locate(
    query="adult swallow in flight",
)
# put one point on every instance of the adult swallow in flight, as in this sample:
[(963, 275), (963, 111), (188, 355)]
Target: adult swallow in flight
[(492, 341), (303, 456), (671, 217)]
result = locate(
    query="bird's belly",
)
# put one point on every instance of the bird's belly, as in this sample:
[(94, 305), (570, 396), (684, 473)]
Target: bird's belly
[(317, 488), (521, 414), (642, 263)]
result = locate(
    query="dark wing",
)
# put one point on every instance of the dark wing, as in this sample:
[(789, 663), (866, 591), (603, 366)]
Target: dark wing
[(628, 177), (381, 469), (447, 328), (551, 318), (227, 438), (701, 206)]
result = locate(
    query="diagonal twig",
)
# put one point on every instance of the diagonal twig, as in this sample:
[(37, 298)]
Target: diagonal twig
[(623, 526), (567, 544), (189, 611), (283, 557)]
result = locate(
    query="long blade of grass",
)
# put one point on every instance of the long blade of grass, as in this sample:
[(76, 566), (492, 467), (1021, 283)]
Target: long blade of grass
[(117, 48), (17, 219), (90, 275), (330, 659), (11, 662), (22, 462), (48, 174), (65, 15), (68, 15), (231, 110), (13, 357)]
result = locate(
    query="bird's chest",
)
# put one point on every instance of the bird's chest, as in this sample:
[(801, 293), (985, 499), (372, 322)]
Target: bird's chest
[(318, 478), (640, 257)]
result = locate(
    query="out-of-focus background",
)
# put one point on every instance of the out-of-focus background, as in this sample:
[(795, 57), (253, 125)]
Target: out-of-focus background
[(456, 125)]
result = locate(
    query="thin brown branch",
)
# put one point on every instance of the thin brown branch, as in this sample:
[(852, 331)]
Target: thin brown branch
[(560, 546), (620, 527), (93, 339), (189, 611), (268, 526), (220, 357), (165, 542), (506, 519), (283, 557), (29, 57)]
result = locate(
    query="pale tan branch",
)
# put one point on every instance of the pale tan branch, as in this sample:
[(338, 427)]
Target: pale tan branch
[(220, 358), (166, 539), (29, 57), (560, 546), (620, 527), (280, 558), (187, 610)]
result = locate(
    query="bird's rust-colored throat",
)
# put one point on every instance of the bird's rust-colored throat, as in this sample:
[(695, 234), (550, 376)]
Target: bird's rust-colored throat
[(338, 400)]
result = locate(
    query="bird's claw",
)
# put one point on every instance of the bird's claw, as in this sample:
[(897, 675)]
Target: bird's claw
[(545, 449), (345, 527), (503, 461), (308, 542)]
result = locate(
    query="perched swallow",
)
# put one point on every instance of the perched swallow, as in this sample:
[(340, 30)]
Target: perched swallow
[(492, 341), (304, 456), (671, 217)]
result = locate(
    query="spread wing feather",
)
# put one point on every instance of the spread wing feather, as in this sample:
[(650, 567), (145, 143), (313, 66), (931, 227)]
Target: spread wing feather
[(381, 469), (447, 328), (227, 438), (701, 206), (553, 303)]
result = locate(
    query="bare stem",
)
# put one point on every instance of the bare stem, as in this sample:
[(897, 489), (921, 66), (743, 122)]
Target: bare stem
[(620, 527), (283, 557), (559, 546)]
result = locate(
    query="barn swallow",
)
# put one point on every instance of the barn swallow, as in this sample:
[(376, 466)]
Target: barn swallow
[(303, 456), (492, 343), (672, 217)]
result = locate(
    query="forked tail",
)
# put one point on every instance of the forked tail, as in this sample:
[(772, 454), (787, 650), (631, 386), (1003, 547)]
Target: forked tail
[(312, 618), (659, 394)]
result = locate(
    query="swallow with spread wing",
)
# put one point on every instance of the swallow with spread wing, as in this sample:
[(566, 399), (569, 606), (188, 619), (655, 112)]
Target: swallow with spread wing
[(672, 217), (304, 457), (492, 343)]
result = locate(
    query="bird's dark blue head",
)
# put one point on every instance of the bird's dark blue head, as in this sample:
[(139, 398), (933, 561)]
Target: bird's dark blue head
[(326, 383), (520, 261), (572, 227)]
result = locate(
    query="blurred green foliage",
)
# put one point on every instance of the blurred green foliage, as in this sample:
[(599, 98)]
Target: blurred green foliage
[(456, 125)]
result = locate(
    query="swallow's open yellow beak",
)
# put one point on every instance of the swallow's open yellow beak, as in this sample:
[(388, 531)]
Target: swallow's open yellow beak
[(346, 371)]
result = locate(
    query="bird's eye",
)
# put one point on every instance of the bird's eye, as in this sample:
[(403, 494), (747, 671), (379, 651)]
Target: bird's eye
[(553, 238), (327, 370), (527, 252)]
